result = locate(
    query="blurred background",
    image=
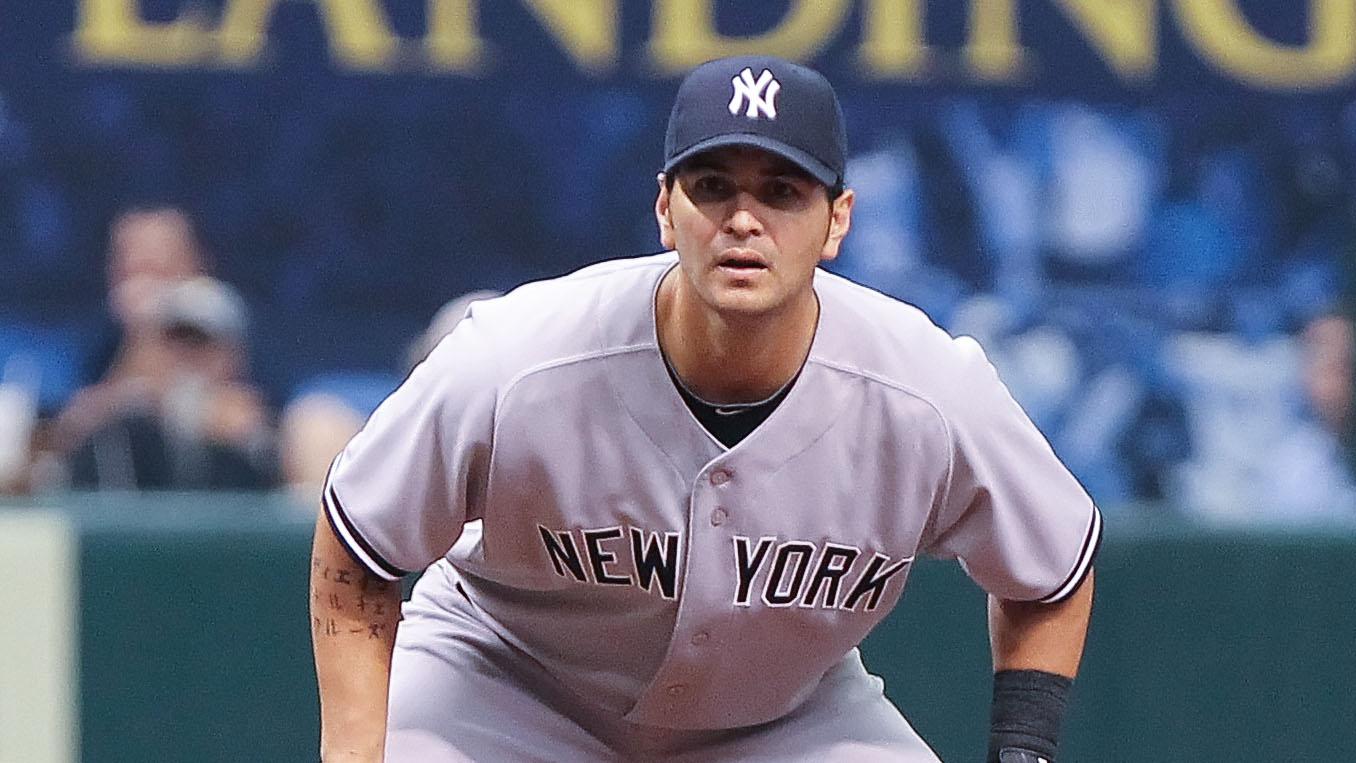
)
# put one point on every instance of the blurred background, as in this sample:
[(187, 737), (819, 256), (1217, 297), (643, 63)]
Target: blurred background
[(228, 228)]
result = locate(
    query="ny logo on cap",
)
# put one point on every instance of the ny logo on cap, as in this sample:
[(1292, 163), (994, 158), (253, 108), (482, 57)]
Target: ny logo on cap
[(761, 94)]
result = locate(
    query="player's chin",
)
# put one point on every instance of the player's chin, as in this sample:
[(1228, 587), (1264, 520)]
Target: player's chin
[(744, 302)]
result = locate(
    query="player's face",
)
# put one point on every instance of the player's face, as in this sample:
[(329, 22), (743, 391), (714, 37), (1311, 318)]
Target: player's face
[(750, 227)]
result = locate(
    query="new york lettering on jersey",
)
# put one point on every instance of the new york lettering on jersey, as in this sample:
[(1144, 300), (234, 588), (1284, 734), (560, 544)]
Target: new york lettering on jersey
[(616, 556), (827, 575), (799, 538)]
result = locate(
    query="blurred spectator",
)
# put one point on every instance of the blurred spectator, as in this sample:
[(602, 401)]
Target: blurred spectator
[(328, 411), (1271, 417), (1329, 357), (1312, 477), (178, 414), (149, 248), (1240, 401)]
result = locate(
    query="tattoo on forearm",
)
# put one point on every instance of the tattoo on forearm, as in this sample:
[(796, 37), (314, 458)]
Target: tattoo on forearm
[(373, 607), (373, 584), (336, 613), (324, 626)]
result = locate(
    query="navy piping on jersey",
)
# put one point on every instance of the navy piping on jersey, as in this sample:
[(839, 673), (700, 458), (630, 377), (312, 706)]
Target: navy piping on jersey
[(334, 512), (733, 422), (1086, 554)]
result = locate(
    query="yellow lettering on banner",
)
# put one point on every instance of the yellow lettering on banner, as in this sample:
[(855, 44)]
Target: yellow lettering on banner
[(358, 35), (893, 45), (453, 42), (684, 33), (1125, 33), (1225, 38), (113, 32), (992, 50), (586, 29)]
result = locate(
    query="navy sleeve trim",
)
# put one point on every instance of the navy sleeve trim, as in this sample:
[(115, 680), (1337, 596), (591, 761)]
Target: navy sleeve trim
[(1092, 542), (357, 546)]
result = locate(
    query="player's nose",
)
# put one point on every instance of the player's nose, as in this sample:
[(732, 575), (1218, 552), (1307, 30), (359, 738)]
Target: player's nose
[(743, 223)]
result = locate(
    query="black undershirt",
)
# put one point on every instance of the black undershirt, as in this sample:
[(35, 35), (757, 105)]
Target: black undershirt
[(728, 423)]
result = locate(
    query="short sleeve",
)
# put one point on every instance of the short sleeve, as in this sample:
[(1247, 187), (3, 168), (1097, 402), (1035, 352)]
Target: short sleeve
[(1016, 518), (400, 491)]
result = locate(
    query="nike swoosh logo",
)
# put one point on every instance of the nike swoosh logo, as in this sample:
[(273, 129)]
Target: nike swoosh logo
[(729, 411)]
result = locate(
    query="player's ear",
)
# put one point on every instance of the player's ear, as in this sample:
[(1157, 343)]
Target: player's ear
[(662, 214), (840, 221)]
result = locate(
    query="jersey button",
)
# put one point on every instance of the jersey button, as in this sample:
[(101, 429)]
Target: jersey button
[(700, 637), (718, 517), (676, 690), (720, 476)]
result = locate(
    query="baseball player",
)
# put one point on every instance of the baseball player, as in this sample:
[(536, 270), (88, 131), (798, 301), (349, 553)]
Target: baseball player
[(659, 502)]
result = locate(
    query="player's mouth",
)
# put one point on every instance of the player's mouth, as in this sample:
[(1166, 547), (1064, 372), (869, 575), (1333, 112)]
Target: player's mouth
[(742, 262)]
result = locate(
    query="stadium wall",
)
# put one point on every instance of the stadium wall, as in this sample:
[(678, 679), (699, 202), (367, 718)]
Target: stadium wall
[(192, 642)]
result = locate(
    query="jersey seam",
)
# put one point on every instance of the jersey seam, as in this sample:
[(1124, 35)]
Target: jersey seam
[(501, 399), (551, 365), (645, 261), (880, 297), (582, 358), (642, 261), (936, 409)]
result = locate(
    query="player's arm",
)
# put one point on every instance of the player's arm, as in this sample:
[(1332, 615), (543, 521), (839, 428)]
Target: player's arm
[(353, 621), (1036, 651), (1027, 532), (1028, 635), (395, 500)]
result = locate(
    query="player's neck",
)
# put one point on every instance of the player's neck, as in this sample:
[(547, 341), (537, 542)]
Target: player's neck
[(732, 359)]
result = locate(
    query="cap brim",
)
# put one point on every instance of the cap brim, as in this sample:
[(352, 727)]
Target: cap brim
[(817, 169)]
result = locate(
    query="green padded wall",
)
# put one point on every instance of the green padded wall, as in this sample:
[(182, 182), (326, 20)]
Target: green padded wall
[(1204, 646), (194, 640)]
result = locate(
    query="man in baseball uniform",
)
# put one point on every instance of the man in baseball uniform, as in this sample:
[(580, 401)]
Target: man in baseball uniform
[(659, 502)]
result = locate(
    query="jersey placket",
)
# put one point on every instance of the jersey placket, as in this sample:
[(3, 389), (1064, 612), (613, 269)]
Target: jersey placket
[(689, 679)]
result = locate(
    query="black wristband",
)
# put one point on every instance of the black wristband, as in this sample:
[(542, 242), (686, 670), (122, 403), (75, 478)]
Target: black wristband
[(1028, 707)]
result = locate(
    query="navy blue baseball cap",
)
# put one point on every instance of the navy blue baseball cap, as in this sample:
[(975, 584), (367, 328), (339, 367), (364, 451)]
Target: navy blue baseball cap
[(761, 101)]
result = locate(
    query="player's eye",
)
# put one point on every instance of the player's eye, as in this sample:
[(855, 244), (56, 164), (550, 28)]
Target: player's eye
[(710, 187), (782, 192)]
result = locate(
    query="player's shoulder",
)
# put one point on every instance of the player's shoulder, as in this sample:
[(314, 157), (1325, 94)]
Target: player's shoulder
[(894, 342), (575, 300), (591, 311), (597, 275)]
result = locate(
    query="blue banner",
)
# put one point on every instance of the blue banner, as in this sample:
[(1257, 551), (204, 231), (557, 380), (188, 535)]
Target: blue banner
[(1089, 183), (1072, 45)]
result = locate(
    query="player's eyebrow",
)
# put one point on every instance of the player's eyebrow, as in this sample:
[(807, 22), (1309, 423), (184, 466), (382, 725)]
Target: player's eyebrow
[(788, 169), (703, 163), (776, 167)]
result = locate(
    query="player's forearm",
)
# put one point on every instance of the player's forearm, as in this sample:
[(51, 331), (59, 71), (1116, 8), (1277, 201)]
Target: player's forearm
[(1048, 637), (1036, 651), (353, 622)]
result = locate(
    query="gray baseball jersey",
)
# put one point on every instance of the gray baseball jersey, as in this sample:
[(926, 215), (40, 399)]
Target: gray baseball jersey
[(627, 559)]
